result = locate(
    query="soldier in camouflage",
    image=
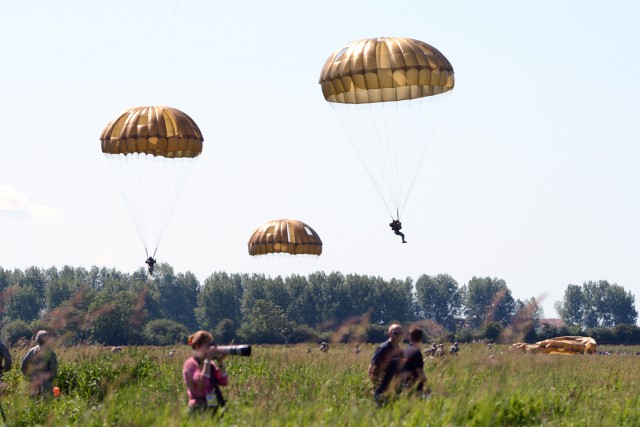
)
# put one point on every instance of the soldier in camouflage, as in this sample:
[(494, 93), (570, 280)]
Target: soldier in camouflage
[(40, 364)]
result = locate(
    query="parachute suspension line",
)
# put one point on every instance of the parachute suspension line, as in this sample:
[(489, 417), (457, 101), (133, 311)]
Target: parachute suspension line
[(180, 171), (123, 175), (429, 112), (151, 187), (356, 129)]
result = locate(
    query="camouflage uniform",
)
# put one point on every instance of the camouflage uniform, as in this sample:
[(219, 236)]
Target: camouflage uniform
[(35, 363)]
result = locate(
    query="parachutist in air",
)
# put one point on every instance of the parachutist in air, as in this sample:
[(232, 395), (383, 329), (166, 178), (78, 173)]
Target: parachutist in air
[(396, 226), (151, 263)]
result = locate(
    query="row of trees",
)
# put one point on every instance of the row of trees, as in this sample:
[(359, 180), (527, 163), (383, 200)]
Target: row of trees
[(597, 305), (111, 307)]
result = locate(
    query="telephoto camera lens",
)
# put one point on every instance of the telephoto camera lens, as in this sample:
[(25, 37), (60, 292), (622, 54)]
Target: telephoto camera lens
[(235, 350)]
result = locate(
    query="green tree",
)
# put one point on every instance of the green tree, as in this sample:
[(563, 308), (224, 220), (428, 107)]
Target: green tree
[(61, 285), (597, 304), (72, 319), (165, 332), (15, 331), (117, 319), (22, 303), (488, 299), (571, 308), (303, 301), (219, 299), (439, 298), (177, 295), (333, 303), (263, 323), (393, 300), (224, 331), (5, 279)]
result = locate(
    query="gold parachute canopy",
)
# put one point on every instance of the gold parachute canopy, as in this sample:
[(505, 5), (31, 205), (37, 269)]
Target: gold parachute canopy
[(159, 131), (285, 236), (385, 69), (559, 345)]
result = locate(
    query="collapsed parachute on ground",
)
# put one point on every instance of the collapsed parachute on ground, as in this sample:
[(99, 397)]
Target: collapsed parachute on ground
[(388, 93), (151, 151), (559, 345)]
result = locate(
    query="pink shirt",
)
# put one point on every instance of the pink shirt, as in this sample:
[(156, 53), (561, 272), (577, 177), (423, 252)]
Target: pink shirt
[(190, 369)]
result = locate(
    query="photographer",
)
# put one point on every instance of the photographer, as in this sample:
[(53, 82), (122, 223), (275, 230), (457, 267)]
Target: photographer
[(203, 376)]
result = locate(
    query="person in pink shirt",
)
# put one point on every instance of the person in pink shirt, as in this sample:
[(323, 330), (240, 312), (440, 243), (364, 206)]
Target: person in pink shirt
[(204, 373)]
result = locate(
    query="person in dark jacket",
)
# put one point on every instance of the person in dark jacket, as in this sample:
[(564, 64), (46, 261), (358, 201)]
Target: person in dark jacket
[(385, 363), (40, 364), (151, 263), (396, 226), (413, 376), (5, 359)]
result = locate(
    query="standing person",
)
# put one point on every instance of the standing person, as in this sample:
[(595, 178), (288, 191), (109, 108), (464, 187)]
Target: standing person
[(5, 359), (385, 363), (203, 376), (40, 364), (413, 374)]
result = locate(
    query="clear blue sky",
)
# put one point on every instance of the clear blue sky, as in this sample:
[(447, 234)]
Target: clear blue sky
[(531, 177)]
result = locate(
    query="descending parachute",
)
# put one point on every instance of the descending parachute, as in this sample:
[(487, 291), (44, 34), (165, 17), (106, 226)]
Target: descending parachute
[(287, 246), (151, 151), (388, 93)]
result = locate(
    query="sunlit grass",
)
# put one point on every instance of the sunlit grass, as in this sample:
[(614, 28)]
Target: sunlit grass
[(288, 386)]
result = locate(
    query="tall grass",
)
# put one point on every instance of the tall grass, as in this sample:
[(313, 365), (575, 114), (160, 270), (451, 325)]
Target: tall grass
[(288, 386)]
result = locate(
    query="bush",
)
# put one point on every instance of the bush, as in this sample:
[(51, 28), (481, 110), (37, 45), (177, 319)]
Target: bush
[(303, 333), (16, 331), (627, 334), (466, 335), (376, 333), (165, 332), (491, 330)]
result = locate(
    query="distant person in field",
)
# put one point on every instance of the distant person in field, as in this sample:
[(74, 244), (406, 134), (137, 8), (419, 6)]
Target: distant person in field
[(285, 333), (454, 349), (431, 351), (413, 376), (203, 376), (40, 364), (151, 263), (396, 226), (5, 359), (385, 363)]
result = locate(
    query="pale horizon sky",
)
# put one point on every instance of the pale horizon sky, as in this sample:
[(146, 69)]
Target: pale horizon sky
[(531, 177)]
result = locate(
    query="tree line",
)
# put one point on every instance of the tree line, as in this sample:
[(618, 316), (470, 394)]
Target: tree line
[(106, 306)]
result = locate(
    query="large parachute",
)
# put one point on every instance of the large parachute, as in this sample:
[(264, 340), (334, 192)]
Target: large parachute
[(151, 151), (559, 345), (285, 246), (388, 93)]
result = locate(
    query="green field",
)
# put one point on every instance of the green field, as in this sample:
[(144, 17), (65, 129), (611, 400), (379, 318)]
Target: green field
[(286, 386)]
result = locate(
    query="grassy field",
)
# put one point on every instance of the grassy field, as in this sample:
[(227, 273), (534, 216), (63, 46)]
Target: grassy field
[(286, 386)]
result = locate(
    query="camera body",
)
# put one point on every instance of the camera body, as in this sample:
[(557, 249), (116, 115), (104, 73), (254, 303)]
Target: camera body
[(235, 350)]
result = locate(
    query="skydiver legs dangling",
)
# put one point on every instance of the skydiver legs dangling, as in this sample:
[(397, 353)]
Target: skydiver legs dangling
[(151, 263), (396, 226)]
